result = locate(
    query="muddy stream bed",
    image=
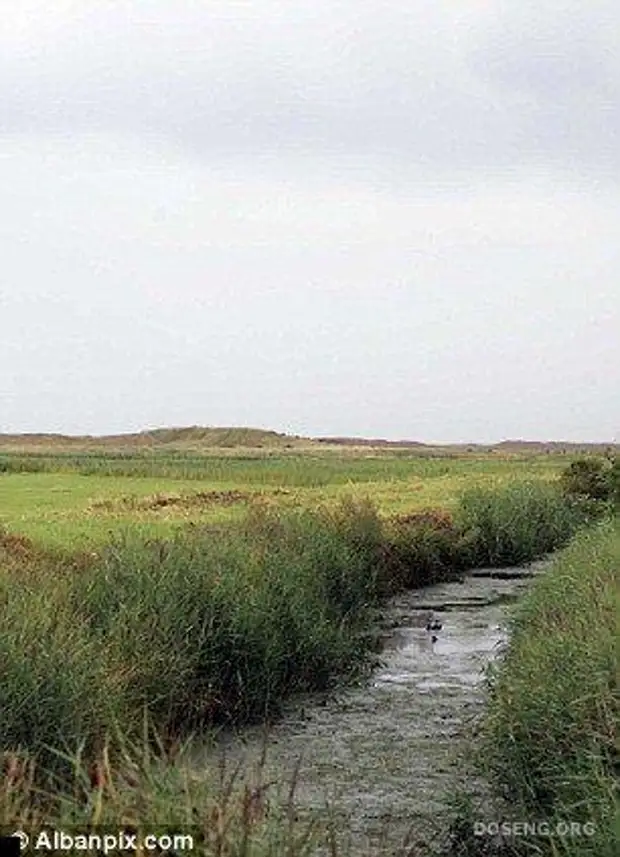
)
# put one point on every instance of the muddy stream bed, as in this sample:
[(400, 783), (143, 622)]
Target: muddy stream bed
[(385, 755)]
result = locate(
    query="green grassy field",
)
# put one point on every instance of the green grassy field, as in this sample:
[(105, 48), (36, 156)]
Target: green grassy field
[(77, 500), (221, 623)]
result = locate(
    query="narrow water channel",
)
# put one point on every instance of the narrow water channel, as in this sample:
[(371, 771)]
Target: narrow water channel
[(386, 755)]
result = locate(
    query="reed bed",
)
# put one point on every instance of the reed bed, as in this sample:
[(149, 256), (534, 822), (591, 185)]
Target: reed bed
[(549, 737), (215, 625)]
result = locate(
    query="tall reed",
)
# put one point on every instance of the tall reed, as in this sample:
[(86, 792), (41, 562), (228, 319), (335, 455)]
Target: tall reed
[(517, 522), (550, 732), (213, 625)]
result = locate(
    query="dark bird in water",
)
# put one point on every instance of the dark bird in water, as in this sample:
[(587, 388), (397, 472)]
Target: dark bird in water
[(433, 625), (433, 639)]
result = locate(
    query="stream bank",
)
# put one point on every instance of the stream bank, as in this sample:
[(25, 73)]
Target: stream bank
[(386, 755)]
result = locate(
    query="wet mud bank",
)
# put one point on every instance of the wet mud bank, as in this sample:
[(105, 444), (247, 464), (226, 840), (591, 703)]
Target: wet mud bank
[(386, 755)]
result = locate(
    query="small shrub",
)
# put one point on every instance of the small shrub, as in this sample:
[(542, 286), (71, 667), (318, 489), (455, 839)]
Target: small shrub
[(614, 481), (590, 477)]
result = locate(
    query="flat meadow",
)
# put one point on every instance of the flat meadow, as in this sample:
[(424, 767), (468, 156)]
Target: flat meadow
[(78, 499)]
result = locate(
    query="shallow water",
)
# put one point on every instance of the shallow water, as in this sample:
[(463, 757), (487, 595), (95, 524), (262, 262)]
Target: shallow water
[(386, 754)]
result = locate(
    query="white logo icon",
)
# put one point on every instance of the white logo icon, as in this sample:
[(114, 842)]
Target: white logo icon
[(23, 839)]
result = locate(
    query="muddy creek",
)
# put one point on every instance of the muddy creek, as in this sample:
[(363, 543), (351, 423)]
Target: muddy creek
[(385, 755)]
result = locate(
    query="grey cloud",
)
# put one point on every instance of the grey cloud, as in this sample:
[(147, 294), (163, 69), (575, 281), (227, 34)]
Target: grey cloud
[(417, 82), (361, 217), (559, 67)]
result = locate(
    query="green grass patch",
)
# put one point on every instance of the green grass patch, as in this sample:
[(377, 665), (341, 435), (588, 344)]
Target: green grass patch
[(77, 508), (550, 732)]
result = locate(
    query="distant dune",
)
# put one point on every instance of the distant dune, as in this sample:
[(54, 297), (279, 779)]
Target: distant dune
[(204, 437), (185, 437), (362, 441)]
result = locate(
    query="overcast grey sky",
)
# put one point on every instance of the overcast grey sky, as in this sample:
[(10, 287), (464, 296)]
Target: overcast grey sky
[(386, 218)]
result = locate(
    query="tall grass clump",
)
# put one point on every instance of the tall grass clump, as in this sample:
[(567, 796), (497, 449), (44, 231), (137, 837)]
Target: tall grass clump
[(213, 625), (222, 623), (218, 810), (550, 731), (516, 523), (424, 548), (54, 684)]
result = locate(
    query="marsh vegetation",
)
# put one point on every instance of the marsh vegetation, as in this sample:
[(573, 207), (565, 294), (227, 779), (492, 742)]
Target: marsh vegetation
[(549, 735), (116, 649)]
